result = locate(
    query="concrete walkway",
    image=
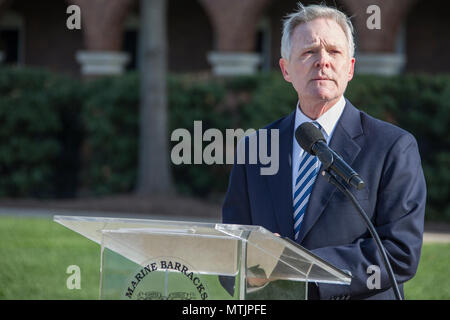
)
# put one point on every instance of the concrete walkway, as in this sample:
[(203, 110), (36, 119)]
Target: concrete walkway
[(434, 237), (50, 213)]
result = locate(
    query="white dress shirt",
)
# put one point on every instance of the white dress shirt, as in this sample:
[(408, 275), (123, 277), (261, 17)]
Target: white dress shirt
[(328, 122)]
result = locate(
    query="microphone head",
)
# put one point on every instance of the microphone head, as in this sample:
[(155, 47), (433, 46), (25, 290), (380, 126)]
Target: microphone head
[(307, 134)]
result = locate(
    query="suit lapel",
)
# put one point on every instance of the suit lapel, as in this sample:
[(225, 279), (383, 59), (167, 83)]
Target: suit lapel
[(280, 184), (342, 142)]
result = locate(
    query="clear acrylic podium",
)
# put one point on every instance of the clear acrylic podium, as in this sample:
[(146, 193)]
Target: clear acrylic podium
[(152, 259)]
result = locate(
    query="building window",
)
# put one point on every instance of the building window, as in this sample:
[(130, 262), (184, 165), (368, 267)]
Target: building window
[(11, 38), (263, 43), (9, 45), (130, 40)]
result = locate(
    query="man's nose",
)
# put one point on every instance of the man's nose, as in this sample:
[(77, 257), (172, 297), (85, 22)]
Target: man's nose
[(323, 60)]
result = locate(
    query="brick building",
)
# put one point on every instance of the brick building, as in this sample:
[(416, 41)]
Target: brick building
[(220, 36)]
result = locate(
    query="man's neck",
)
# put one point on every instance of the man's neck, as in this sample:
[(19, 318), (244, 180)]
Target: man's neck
[(314, 110)]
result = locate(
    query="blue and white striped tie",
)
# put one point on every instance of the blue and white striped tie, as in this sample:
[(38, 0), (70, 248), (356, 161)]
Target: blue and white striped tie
[(306, 176)]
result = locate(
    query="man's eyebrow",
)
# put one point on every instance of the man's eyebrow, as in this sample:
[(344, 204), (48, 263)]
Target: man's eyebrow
[(310, 46), (316, 45)]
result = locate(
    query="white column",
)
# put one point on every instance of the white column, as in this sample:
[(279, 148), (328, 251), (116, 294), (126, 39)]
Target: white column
[(380, 63), (234, 63), (102, 63)]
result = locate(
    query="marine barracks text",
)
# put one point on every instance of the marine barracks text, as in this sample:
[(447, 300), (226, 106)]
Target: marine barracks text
[(165, 265)]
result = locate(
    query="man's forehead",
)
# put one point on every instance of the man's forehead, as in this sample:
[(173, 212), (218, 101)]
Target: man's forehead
[(317, 29), (314, 32)]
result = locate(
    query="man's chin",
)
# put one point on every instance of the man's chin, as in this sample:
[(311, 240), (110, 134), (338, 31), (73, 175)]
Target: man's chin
[(325, 96)]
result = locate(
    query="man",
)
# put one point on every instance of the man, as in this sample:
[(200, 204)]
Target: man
[(297, 202)]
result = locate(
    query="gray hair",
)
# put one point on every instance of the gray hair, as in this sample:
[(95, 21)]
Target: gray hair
[(309, 13)]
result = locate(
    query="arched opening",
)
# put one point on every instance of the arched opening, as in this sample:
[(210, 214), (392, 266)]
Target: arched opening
[(427, 44), (189, 36), (12, 32), (41, 25)]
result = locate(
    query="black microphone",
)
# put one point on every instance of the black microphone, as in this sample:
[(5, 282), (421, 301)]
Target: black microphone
[(311, 139)]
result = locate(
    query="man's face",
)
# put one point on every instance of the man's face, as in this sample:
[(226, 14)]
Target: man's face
[(320, 66)]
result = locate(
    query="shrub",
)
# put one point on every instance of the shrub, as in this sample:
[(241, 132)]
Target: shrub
[(35, 108), (111, 122), (110, 118)]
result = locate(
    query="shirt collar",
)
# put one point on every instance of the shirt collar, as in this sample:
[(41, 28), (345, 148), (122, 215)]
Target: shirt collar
[(328, 120)]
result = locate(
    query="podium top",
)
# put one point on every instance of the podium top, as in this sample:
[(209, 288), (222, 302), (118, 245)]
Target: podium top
[(208, 248)]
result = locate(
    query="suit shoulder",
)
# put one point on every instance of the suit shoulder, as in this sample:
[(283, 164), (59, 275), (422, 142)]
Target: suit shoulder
[(384, 132)]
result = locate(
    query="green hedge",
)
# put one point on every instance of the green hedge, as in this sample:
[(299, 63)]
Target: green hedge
[(110, 117), (421, 105), (38, 133), (106, 120)]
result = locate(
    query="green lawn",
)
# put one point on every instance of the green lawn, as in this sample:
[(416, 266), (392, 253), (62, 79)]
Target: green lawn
[(432, 280), (35, 254)]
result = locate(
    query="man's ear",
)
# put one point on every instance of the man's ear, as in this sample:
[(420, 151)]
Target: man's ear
[(352, 69), (284, 70)]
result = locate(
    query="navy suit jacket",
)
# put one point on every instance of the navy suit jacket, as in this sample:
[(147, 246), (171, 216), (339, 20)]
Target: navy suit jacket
[(387, 159)]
